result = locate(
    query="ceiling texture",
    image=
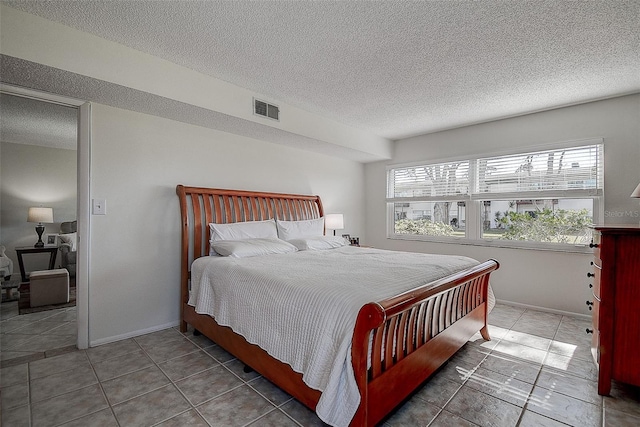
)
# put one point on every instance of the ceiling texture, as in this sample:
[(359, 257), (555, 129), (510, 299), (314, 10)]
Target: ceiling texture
[(393, 68)]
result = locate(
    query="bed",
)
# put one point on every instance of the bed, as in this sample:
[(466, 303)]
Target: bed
[(395, 343)]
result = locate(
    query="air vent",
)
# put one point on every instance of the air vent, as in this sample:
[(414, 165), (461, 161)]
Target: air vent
[(264, 109)]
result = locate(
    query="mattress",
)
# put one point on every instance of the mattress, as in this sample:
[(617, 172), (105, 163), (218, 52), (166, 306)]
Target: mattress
[(301, 307)]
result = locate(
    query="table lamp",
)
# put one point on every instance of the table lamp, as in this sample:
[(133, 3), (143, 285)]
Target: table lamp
[(334, 222), (40, 215)]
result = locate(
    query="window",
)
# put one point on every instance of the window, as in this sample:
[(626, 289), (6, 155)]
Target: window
[(429, 200), (540, 198)]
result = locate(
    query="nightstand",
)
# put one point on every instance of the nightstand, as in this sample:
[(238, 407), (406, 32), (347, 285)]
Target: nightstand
[(53, 252)]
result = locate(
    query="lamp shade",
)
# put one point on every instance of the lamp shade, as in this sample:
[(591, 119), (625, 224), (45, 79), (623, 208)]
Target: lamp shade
[(40, 215), (334, 221), (636, 192)]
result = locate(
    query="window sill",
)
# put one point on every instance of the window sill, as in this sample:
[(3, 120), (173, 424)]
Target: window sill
[(536, 246)]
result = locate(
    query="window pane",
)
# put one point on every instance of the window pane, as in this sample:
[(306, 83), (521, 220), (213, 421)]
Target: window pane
[(430, 218), (541, 220), (444, 179), (577, 168)]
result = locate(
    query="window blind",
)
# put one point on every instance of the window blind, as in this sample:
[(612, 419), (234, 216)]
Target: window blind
[(571, 172), (429, 182)]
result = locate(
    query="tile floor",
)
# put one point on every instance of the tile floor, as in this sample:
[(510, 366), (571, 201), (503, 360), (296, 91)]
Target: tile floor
[(536, 371)]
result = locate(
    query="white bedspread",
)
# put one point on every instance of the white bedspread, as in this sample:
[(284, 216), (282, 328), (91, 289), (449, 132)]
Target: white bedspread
[(301, 307)]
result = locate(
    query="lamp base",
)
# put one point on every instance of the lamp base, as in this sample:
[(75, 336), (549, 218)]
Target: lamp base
[(39, 230)]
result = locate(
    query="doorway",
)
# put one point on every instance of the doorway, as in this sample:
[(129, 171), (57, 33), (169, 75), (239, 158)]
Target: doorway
[(67, 201)]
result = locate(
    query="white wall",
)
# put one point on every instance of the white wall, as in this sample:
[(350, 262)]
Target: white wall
[(136, 162), (32, 175), (553, 280), (46, 42)]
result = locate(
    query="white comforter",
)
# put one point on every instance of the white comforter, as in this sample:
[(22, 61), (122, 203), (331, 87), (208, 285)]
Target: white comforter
[(301, 307)]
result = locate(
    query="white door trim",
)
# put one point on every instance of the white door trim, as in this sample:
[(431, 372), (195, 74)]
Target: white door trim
[(83, 197)]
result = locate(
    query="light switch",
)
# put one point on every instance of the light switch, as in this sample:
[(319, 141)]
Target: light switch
[(99, 206)]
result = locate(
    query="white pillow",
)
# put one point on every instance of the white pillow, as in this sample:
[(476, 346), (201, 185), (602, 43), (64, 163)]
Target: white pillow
[(70, 239), (319, 243), (244, 230), (288, 230), (252, 247)]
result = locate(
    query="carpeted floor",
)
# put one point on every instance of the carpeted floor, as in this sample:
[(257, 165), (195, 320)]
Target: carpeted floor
[(24, 303)]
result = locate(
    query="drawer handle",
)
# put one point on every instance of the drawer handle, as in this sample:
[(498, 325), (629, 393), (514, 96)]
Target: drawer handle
[(593, 245), (590, 304), (589, 331), (591, 275), (591, 285)]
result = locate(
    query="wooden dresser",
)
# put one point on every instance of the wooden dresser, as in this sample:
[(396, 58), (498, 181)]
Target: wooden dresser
[(616, 305)]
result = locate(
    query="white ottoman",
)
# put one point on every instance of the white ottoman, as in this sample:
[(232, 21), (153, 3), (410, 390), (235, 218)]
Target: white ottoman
[(49, 287)]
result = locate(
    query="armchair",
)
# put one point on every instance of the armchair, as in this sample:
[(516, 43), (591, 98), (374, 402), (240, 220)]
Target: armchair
[(68, 237)]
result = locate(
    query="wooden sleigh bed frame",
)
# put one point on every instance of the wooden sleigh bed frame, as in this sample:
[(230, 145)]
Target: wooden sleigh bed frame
[(411, 334)]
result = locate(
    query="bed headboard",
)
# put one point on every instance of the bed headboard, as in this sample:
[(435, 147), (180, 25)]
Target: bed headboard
[(201, 206)]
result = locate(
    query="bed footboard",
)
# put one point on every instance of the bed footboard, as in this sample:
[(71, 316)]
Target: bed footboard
[(411, 335)]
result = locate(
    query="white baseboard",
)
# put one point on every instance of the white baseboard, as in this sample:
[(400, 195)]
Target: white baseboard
[(137, 333), (548, 310)]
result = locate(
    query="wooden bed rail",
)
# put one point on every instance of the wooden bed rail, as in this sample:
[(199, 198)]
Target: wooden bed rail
[(400, 328)]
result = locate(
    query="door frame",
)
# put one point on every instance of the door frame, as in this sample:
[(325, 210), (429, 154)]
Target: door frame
[(83, 172)]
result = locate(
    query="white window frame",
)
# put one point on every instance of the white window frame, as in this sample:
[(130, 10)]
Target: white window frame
[(473, 214)]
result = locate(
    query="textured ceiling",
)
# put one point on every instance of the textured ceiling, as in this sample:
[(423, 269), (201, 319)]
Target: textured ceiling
[(394, 68), (27, 121)]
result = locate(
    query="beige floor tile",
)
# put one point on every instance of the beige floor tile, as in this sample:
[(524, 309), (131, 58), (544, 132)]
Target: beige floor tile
[(513, 366), (269, 391), (111, 350), (302, 414), (53, 385), (68, 406), (241, 370), (47, 342), (190, 418), (103, 418), (275, 418), (208, 384), (438, 391), (563, 408), (447, 419), (14, 374), (15, 395), (151, 408), (120, 365), (39, 327), (613, 418), (571, 365), (482, 409), (623, 398), (187, 365), (134, 384), (235, 408), (159, 338), (171, 349), (527, 339), (531, 419), (570, 385), (67, 328), (519, 351), (501, 386), (414, 412), (220, 354), (17, 417), (54, 365)]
